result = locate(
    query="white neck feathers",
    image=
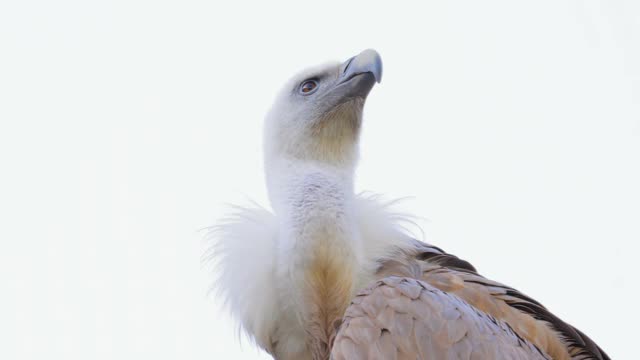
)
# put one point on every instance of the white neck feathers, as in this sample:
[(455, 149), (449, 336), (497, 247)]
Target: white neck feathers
[(318, 244)]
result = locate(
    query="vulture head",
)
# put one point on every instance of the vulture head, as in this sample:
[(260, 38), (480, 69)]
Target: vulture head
[(318, 113)]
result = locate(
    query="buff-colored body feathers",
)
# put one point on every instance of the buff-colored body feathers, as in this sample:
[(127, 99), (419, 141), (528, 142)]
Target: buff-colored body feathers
[(248, 274)]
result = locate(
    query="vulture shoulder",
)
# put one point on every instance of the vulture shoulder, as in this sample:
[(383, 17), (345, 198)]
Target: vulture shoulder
[(403, 318), (429, 302)]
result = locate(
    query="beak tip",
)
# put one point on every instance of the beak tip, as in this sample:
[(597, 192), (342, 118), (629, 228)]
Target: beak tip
[(373, 61)]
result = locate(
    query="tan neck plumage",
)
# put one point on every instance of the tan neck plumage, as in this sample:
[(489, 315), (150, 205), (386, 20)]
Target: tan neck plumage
[(323, 244)]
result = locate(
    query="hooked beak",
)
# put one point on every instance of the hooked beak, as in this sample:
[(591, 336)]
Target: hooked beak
[(367, 62), (341, 106), (358, 75)]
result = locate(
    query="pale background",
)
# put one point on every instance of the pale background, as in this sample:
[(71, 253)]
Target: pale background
[(127, 125)]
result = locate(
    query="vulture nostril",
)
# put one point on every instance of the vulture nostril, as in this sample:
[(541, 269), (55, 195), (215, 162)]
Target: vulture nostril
[(347, 65)]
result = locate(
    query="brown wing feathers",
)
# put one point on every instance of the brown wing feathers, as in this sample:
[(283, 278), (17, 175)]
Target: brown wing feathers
[(579, 346), (406, 319)]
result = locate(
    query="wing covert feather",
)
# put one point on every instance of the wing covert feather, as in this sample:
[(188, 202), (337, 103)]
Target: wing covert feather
[(404, 318), (527, 317)]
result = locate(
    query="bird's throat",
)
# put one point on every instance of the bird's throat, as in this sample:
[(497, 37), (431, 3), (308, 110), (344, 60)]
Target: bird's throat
[(322, 241)]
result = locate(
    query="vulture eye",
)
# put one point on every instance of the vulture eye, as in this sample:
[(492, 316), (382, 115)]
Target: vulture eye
[(308, 87)]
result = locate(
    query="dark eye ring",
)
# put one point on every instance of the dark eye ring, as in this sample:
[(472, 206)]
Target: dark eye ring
[(308, 87)]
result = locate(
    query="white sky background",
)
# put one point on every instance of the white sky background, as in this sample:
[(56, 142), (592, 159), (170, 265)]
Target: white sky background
[(127, 125)]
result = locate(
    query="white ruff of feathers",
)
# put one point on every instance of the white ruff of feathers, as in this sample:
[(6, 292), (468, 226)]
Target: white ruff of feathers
[(245, 249)]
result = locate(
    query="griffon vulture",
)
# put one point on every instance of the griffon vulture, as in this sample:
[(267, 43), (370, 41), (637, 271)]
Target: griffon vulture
[(330, 274)]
